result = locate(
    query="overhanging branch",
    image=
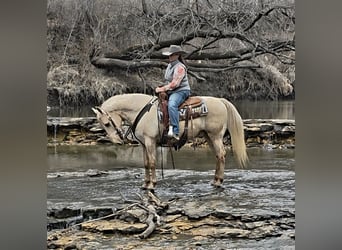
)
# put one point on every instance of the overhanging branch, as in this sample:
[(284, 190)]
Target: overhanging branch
[(265, 13)]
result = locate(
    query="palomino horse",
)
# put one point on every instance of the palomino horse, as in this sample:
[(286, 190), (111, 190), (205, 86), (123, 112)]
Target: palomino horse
[(222, 116)]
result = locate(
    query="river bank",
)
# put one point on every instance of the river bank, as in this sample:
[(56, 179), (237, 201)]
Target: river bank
[(270, 133)]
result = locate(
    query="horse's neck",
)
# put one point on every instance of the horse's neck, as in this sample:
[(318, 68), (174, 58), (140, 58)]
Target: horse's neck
[(128, 106), (128, 115)]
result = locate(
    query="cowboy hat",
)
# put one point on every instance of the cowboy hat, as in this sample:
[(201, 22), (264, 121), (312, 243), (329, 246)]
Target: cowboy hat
[(173, 49)]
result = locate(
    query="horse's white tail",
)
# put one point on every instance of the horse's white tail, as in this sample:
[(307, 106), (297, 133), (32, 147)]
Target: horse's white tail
[(235, 127)]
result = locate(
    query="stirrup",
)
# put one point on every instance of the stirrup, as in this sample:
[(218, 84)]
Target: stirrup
[(173, 137)]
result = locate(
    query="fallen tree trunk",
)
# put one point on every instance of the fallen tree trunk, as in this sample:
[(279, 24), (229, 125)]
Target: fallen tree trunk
[(102, 62)]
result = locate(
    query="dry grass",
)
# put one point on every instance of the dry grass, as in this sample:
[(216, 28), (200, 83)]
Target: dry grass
[(76, 89)]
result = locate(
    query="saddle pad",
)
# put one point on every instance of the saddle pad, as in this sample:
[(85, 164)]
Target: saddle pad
[(197, 111)]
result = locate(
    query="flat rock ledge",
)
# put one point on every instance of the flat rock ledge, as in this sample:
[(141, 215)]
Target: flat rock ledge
[(197, 219), (269, 133)]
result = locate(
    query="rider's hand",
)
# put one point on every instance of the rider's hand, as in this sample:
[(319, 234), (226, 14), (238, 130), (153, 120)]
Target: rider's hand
[(159, 89)]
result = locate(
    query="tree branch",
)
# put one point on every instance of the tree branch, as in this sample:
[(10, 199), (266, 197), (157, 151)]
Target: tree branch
[(265, 13), (216, 70), (108, 63)]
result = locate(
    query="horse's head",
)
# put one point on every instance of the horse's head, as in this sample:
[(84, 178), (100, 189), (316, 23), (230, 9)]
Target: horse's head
[(111, 124)]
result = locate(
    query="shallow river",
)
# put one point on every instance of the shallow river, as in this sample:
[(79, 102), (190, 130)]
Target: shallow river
[(266, 188)]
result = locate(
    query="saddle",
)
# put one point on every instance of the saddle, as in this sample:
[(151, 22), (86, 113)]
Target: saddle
[(193, 101), (193, 107)]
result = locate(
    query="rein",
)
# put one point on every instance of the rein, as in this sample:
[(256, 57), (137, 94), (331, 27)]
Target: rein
[(141, 113), (132, 128)]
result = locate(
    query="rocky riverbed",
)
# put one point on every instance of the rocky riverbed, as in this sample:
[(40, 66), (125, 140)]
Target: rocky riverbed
[(106, 209)]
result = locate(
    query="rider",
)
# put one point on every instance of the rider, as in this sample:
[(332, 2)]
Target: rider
[(176, 86)]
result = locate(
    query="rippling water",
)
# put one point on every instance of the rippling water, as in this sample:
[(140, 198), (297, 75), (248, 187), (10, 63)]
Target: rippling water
[(109, 157), (284, 109), (123, 168)]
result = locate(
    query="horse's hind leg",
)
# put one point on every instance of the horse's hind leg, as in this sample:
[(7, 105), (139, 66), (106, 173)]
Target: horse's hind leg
[(149, 152), (220, 153)]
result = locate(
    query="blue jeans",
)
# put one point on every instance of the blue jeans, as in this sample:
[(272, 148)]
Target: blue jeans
[(176, 99)]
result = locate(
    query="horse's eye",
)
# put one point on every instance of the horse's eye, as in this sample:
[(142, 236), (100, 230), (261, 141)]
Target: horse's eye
[(106, 124)]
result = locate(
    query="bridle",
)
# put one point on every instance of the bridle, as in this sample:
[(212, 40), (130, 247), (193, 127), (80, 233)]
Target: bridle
[(131, 128), (117, 129)]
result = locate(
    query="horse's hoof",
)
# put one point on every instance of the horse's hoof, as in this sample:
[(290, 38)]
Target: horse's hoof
[(219, 188), (217, 185), (148, 188)]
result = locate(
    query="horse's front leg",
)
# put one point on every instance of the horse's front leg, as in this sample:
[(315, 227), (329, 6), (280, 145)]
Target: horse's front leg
[(149, 151)]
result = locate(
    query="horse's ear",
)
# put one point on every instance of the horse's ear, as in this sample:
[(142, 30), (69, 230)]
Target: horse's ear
[(96, 110), (100, 109), (100, 114)]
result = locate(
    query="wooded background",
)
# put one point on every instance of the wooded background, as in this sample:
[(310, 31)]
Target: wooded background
[(235, 49)]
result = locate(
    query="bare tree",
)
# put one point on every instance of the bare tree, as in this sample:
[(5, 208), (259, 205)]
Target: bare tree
[(218, 35), (248, 44)]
